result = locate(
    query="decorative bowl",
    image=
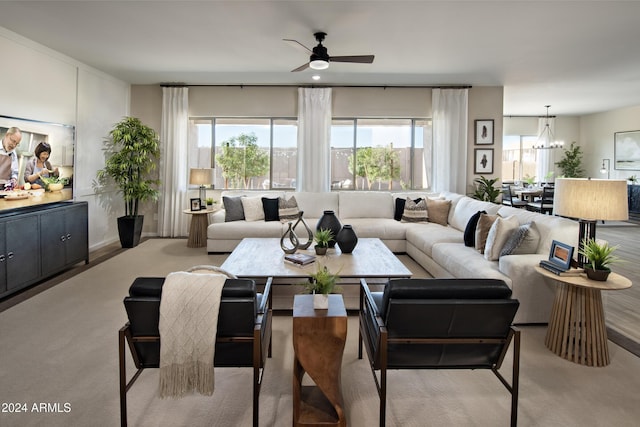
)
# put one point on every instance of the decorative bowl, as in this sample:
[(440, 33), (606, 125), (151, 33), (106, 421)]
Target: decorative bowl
[(57, 186)]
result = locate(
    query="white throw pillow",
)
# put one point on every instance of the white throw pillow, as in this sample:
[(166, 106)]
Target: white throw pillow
[(498, 235), (253, 210)]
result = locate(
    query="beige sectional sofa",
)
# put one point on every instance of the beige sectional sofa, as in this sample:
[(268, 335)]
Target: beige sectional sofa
[(438, 249)]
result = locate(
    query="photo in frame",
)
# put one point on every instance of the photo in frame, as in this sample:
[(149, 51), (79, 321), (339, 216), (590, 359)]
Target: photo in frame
[(483, 161), (195, 204), (627, 150), (484, 132)]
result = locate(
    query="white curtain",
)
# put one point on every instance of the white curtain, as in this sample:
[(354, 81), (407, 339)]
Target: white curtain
[(172, 222), (314, 134), (545, 157), (450, 111)]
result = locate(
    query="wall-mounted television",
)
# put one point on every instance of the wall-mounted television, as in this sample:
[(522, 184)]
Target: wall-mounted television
[(60, 139)]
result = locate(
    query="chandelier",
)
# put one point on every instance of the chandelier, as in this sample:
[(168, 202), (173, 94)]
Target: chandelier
[(546, 140)]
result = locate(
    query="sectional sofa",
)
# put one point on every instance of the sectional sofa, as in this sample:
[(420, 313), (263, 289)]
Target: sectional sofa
[(438, 247)]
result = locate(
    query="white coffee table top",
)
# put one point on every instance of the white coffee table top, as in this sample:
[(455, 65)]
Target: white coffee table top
[(261, 258)]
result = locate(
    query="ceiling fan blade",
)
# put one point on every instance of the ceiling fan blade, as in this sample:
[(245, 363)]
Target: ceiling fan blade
[(361, 59), (301, 68), (296, 44)]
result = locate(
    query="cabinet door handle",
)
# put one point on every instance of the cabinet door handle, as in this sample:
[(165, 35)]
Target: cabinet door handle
[(2, 258), (68, 236), (63, 238), (10, 255)]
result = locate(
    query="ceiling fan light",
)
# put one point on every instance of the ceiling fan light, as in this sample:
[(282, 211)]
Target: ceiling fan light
[(319, 64)]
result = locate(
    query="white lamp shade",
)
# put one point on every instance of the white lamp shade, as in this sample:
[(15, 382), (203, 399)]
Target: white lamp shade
[(201, 176), (591, 199)]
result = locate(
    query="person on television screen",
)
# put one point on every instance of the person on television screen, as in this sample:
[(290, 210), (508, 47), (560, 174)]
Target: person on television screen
[(9, 158), (39, 166)]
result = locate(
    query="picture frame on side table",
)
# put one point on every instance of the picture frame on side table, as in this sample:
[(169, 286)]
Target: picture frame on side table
[(483, 163), (484, 132), (627, 150), (195, 204)]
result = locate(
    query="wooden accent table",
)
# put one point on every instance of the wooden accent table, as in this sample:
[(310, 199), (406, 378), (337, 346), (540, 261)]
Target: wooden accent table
[(198, 228), (319, 338), (577, 330)]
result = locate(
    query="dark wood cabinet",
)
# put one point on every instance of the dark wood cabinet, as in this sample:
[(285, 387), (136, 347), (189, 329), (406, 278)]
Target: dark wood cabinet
[(634, 202), (38, 242)]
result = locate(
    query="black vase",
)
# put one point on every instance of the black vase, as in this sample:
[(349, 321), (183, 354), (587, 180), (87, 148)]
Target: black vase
[(347, 239), (330, 221), (130, 230)]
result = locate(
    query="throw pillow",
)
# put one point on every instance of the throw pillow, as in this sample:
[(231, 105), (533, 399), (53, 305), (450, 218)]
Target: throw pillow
[(397, 213), (287, 209), (499, 233), (253, 210), (233, 210), (438, 211), (414, 212), (270, 208), (529, 245), (482, 230), (470, 229)]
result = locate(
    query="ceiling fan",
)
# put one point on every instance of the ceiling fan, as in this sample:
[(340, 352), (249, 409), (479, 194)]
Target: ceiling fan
[(319, 59)]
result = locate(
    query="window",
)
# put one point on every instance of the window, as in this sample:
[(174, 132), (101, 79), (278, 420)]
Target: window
[(519, 158), (380, 154), (247, 153)]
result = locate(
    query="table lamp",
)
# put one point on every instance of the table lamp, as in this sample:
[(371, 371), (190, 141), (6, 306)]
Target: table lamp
[(201, 177), (590, 200)]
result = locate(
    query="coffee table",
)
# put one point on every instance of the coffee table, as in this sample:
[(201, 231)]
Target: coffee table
[(260, 258)]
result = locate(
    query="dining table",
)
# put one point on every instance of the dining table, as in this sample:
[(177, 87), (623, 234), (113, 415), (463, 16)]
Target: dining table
[(528, 194)]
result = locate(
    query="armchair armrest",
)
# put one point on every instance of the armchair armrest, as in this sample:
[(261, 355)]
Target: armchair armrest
[(266, 295)]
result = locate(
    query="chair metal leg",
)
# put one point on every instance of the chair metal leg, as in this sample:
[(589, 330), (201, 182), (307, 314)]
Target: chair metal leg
[(515, 379), (123, 378)]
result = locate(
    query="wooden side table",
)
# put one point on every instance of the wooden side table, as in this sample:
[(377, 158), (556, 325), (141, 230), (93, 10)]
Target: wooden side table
[(319, 338), (198, 228), (577, 330)]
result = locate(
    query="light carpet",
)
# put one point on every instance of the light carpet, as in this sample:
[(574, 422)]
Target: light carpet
[(60, 347)]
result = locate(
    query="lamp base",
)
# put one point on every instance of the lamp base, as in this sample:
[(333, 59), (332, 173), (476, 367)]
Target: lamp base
[(203, 197), (587, 232)]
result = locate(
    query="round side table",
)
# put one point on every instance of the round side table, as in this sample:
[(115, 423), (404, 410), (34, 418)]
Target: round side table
[(198, 228), (577, 330)]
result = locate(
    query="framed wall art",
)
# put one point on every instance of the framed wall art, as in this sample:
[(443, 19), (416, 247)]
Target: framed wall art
[(627, 150), (195, 204), (484, 132), (483, 161)]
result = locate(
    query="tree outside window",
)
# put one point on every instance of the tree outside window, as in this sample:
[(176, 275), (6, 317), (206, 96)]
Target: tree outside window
[(241, 160)]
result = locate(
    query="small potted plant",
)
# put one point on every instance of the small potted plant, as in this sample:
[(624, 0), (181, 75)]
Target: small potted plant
[(322, 237), (321, 284), (600, 257), (210, 202)]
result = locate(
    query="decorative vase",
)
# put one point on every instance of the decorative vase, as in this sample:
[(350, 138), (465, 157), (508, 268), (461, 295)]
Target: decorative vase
[(599, 275), (331, 222), (347, 239), (291, 236), (309, 231), (320, 301), (320, 250), (130, 230)]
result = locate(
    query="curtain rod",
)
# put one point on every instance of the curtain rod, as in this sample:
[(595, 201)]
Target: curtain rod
[(536, 117), (320, 86)]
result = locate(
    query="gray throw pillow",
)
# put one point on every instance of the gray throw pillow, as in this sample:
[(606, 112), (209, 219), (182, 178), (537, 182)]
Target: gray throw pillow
[(524, 240), (233, 209)]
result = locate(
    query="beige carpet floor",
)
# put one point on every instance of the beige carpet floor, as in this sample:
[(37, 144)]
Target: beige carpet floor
[(60, 348)]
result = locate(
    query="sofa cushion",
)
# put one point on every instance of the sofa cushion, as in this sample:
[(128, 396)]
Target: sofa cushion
[(270, 207), (287, 209), (238, 230), (466, 207), (365, 204), (415, 212), (438, 211), (314, 204), (499, 233), (524, 240), (463, 262), (252, 207), (233, 208), (470, 229), (425, 235), (482, 230), (384, 229)]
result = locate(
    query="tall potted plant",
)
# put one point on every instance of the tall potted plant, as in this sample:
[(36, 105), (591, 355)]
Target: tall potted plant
[(131, 150)]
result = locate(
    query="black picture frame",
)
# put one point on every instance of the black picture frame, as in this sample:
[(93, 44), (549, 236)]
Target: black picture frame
[(626, 150), (483, 132), (483, 161), (561, 254), (195, 205)]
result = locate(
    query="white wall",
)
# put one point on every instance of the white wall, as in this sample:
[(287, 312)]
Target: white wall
[(48, 86)]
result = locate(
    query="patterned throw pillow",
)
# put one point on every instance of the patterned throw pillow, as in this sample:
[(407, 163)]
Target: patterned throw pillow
[(482, 230), (233, 208), (438, 211), (399, 210), (287, 209), (524, 240), (414, 212)]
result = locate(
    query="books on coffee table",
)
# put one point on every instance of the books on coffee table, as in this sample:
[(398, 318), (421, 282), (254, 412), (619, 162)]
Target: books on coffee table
[(300, 259)]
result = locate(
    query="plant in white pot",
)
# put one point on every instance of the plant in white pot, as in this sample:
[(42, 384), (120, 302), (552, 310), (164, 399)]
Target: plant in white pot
[(599, 257), (321, 284), (131, 151)]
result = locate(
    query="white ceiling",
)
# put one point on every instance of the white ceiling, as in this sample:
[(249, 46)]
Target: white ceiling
[(578, 56)]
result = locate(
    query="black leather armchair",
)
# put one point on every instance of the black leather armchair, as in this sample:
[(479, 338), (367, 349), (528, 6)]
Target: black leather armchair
[(243, 336), (439, 324)]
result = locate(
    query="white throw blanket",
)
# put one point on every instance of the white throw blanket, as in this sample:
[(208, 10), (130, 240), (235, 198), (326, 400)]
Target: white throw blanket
[(188, 324)]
